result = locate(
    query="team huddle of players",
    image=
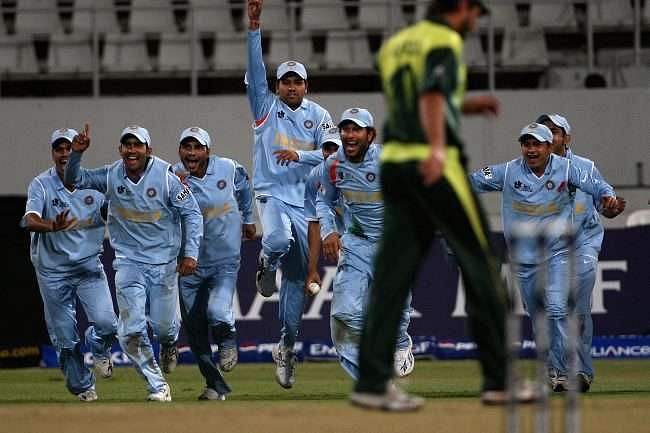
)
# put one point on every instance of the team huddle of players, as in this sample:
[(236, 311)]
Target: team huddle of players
[(177, 232)]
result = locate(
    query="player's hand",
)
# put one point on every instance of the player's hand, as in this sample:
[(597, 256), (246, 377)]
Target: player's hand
[(254, 12), (331, 247), (432, 168), (617, 210), (187, 266), (284, 157), (312, 277), (61, 221), (248, 232), (608, 202), (482, 104), (81, 141), (182, 176)]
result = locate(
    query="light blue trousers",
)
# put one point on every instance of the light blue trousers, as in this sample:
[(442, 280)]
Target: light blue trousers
[(146, 293), (60, 292), (284, 245), (350, 298)]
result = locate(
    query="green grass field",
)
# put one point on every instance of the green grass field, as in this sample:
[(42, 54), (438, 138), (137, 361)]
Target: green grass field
[(35, 400)]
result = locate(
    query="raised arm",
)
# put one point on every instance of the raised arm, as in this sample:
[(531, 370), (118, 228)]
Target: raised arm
[(257, 88), (181, 198), (490, 178), (80, 177)]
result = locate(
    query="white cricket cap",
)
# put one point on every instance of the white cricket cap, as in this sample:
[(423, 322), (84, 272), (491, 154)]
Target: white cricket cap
[(557, 120), (199, 134), (67, 133), (292, 66), (360, 116), (537, 130), (138, 132), (332, 136)]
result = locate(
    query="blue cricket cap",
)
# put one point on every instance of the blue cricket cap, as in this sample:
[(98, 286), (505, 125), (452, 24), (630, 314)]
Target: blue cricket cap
[(538, 131), (557, 120), (66, 133), (138, 132), (292, 66), (359, 116)]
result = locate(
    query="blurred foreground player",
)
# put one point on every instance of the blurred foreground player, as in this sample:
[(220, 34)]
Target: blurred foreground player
[(425, 189)]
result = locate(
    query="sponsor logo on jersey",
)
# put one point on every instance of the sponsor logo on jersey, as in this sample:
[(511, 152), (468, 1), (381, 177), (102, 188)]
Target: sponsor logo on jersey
[(280, 114), (308, 124), (370, 177), (89, 200), (522, 186), (57, 202), (487, 173), (120, 189), (183, 194), (221, 184), (327, 125), (550, 185), (151, 192)]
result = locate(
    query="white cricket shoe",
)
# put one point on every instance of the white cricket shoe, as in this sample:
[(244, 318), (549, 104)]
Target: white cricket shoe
[(104, 367), (525, 392), (88, 395), (168, 358), (392, 400), (265, 279), (228, 358), (164, 395), (404, 360), (285, 360), (211, 394)]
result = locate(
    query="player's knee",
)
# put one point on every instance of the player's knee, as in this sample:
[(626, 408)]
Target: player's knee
[(276, 241)]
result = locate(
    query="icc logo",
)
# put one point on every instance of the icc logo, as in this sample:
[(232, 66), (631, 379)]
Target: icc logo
[(151, 192), (308, 124), (221, 184), (89, 200)]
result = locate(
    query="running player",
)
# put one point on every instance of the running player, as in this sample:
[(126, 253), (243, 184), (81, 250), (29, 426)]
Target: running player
[(147, 206), (351, 176), (220, 187), (589, 238), (288, 131), (538, 188), (67, 231)]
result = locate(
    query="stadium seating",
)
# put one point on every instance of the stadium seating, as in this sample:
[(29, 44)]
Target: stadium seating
[(502, 16), (317, 15), (635, 76), (380, 15), (37, 17), (552, 15), (473, 52), (348, 50), (524, 46), (280, 50), (70, 53), (611, 12), (212, 15), (105, 20), (175, 54), (125, 53), (230, 51), (151, 16)]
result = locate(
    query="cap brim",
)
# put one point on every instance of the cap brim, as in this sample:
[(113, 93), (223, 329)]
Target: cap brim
[(197, 138), (140, 138), (292, 72), (355, 121), (57, 140), (535, 135)]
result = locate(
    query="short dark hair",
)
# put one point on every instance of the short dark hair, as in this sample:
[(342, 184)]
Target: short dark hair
[(439, 7)]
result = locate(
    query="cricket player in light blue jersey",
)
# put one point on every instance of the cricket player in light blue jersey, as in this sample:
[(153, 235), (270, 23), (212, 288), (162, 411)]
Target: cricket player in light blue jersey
[(538, 188), (331, 144), (589, 238), (352, 176), (67, 231), (147, 206), (220, 187), (289, 131)]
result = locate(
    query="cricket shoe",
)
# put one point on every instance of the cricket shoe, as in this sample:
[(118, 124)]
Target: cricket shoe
[(557, 382), (168, 358), (104, 367), (163, 396), (404, 360), (265, 278), (228, 357), (211, 394), (392, 400), (88, 395), (525, 392), (583, 381), (285, 361)]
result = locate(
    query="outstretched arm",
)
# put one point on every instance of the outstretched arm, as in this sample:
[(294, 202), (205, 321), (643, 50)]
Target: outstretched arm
[(600, 190), (81, 177), (257, 88), (490, 178)]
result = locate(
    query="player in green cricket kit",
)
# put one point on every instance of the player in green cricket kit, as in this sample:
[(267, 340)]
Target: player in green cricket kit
[(425, 188)]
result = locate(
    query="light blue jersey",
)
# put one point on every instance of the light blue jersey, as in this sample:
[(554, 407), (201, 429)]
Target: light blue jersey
[(590, 230), (357, 185), (278, 127), (226, 203), (311, 193), (71, 249), (145, 217), (539, 200)]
